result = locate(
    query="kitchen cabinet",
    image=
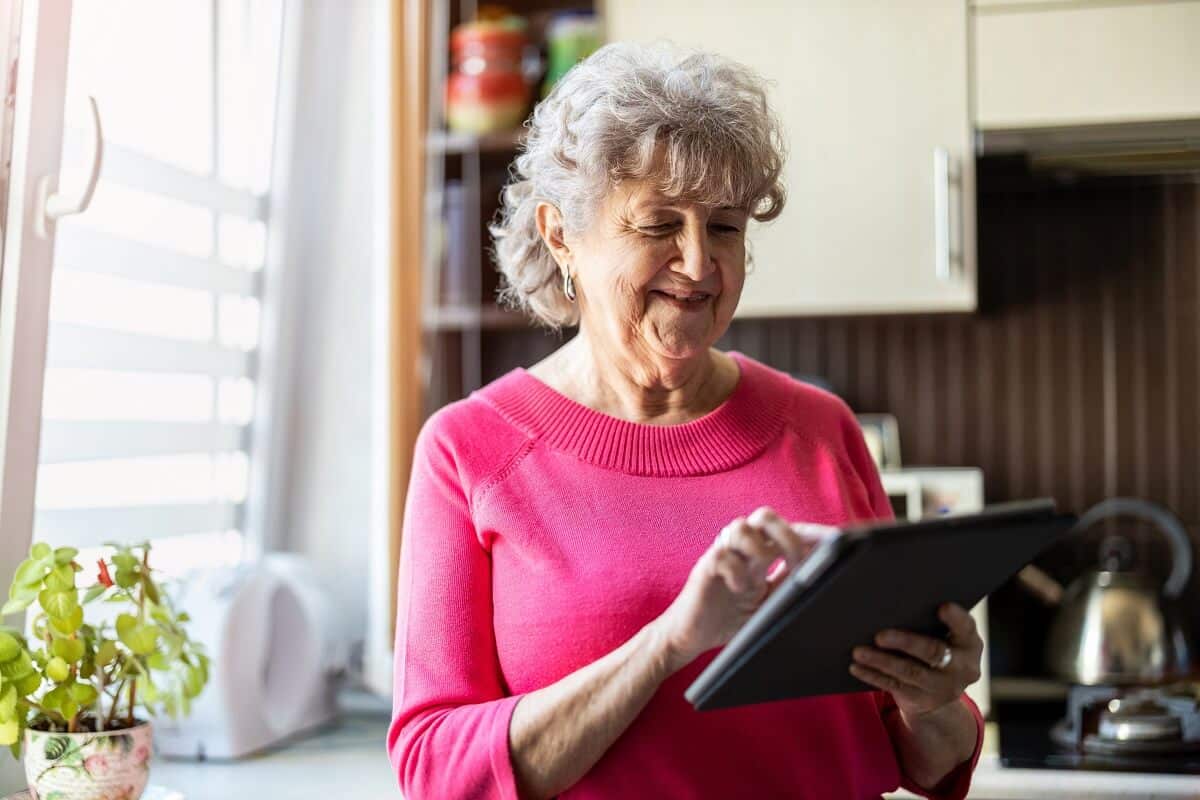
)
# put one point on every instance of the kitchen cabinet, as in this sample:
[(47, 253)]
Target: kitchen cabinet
[(874, 98), (1042, 64)]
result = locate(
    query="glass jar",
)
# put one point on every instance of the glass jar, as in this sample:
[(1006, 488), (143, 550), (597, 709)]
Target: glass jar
[(487, 90)]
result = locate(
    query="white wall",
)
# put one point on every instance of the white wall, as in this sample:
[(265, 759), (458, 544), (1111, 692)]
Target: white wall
[(324, 495)]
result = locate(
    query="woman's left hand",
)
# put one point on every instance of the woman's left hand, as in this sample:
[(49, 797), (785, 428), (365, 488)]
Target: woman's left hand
[(906, 664)]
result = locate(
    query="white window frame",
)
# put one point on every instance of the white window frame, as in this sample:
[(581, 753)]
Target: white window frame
[(26, 268), (379, 642)]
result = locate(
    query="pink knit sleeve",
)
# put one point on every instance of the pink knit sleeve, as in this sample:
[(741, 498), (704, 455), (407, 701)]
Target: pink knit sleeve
[(957, 783), (450, 714)]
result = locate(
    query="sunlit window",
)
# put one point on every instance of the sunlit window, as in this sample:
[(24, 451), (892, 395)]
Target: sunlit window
[(155, 302)]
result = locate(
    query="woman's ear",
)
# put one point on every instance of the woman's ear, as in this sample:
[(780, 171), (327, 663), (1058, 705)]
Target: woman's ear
[(550, 228)]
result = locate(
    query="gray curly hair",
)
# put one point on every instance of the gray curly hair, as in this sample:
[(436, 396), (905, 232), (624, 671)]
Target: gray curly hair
[(695, 122)]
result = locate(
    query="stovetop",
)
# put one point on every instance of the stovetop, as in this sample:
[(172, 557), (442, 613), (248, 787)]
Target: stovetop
[(1026, 740)]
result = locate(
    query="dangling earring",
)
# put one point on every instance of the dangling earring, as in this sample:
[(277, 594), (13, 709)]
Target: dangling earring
[(569, 286)]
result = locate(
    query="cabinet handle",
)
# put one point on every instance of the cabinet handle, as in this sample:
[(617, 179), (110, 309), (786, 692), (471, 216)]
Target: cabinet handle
[(941, 213)]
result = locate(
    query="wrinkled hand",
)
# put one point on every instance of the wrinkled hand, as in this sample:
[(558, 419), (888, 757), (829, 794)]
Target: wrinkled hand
[(902, 664), (728, 583)]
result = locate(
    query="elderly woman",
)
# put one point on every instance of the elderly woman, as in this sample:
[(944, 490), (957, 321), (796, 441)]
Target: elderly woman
[(580, 537)]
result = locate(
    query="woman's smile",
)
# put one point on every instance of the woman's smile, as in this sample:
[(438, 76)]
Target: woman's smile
[(694, 302)]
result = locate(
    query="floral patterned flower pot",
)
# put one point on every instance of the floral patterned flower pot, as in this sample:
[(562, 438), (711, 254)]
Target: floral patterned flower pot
[(111, 765)]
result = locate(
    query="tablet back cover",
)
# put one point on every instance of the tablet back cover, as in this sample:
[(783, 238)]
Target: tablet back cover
[(895, 577)]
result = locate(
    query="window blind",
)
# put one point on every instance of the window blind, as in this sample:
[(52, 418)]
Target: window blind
[(155, 300)]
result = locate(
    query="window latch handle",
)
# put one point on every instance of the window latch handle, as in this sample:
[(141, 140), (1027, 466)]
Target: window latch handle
[(51, 205)]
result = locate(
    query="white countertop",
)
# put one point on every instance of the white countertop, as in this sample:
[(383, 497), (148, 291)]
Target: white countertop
[(994, 781), (347, 761)]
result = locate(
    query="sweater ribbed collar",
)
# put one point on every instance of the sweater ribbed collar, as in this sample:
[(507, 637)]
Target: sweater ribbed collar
[(729, 435)]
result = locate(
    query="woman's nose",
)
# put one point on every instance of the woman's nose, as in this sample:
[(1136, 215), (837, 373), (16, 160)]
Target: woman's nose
[(695, 256)]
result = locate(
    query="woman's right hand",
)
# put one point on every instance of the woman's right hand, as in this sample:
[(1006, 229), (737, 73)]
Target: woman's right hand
[(732, 579)]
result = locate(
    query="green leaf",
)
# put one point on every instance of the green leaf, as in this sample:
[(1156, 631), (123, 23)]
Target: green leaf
[(61, 578), (10, 648), (30, 573), (194, 683), (65, 555), (126, 578), (125, 560), (54, 697), (140, 637), (28, 684), (158, 661), (69, 625), (22, 596), (149, 691), (183, 617), (94, 592), (125, 622), (84, 693), (58, 604), (70, 650), (10, 732), (40, 550), (106, 652), (8, 702), (18, 668), (58, 670)]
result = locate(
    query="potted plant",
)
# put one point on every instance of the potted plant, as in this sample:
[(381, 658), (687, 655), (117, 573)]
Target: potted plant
[(70, 694)]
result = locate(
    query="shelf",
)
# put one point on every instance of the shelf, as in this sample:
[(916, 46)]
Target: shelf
[(448, 142), (449, 318)]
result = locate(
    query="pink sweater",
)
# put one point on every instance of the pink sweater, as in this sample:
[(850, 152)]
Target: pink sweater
[(539, 535)]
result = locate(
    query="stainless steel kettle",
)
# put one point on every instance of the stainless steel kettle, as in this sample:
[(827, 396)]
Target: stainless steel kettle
[(1115, 626)]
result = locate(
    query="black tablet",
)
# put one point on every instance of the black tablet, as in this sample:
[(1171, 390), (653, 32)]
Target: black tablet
[(862, 580)]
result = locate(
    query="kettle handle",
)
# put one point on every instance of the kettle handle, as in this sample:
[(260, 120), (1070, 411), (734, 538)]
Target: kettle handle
[(1164, 520)]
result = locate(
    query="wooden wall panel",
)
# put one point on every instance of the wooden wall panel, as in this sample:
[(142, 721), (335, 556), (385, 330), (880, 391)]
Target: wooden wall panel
[(408, 112)]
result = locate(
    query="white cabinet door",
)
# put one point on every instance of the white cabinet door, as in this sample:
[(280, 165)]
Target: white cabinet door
[(1070, 64), (868, 93)]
